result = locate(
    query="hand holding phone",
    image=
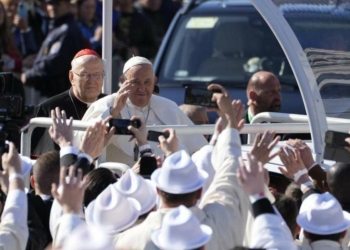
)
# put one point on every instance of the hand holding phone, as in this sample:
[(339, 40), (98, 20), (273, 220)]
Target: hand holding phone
[(200, 96), (121, 126), (154, 135)]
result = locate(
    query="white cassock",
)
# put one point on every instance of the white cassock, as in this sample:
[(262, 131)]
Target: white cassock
[(160, 111)]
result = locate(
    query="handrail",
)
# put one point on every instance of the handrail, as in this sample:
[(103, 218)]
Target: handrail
[(287, 118), (185, 129), (180, 129)]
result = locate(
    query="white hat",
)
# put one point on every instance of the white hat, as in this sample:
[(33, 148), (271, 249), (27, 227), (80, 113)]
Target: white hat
[(180, 229), (135, 60), (88, 238), (179, 175), (116, 167), (112, 211), (27, 164), (202, 159), (322, 214), (134, 186)]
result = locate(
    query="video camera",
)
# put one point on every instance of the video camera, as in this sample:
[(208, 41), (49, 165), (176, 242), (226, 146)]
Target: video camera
[(13, 113)]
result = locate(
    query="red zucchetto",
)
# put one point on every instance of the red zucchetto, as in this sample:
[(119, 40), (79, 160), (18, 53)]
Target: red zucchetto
[(84, 52)]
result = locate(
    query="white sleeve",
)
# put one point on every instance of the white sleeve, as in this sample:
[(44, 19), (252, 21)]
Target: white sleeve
[(13, 227), (202, 159), (98, 111), (66, 225), (271, 232)]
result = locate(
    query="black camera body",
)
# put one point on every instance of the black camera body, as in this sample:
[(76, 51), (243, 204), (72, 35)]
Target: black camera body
[(11, 104), (13, 113)]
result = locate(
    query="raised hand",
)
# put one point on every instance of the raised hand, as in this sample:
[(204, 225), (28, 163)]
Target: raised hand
[(139, 133), (120, 98), (72, 195), (170, 145), (61, 132), (252, 180), (11, 164), (292, 162), (263, 146), (304, 150), (94, 138), (238, 110)]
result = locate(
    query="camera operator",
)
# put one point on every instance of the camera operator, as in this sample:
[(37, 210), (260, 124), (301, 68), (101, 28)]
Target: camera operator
[(12, 94)]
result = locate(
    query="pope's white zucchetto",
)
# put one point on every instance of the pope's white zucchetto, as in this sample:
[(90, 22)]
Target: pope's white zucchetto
[(136, 60)]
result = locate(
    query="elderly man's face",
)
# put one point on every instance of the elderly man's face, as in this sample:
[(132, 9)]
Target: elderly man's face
[(87, 78), (142, 81)]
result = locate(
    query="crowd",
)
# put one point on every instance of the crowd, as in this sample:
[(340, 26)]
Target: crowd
[(38, 38), (210, 200)]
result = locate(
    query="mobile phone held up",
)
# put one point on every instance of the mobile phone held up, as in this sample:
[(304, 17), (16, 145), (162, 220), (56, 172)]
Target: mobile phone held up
[(22, 9), (148, 165), (335, 146), (121, 126), (200, 96), (154, 135)]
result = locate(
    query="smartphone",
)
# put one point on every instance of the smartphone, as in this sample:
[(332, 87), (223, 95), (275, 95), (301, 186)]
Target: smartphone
[(148, 165), (154, 135), (200, 96), (22, 9), (334, 149), (121, 126)]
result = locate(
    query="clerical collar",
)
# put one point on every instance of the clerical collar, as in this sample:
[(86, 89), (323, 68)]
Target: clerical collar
[(250, 115), (76, 98), (128, 102)]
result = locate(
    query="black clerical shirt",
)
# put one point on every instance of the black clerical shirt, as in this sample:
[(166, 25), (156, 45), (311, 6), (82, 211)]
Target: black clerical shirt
[(67, 101)]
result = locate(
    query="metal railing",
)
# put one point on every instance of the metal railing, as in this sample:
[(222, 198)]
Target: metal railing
[(297, 127), (293, 118), (335, 124)]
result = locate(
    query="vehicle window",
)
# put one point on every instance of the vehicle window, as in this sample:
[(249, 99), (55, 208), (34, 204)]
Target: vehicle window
[(226, 48), (323, 31)]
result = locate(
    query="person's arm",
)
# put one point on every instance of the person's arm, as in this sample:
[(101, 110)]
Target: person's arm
[(61, 53), (314, 170), (225, 201), (71, 200), (13, 226), (269, 229), (28, 43), (294, 169)]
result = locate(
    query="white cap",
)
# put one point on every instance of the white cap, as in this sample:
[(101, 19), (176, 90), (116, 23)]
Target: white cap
[(136, 60)]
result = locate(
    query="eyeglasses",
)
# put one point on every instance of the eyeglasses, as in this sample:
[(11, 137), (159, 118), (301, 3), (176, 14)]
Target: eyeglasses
[(86, 76)]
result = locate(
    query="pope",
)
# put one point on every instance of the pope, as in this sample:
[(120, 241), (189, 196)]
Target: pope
[(135, 98)]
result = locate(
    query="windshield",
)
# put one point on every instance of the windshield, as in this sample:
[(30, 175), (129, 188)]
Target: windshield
[(323, 31), (225, 48)]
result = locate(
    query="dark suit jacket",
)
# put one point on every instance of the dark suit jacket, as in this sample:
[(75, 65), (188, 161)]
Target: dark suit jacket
[(244, 137), (41, 141), (82, 162), (38, 222)]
